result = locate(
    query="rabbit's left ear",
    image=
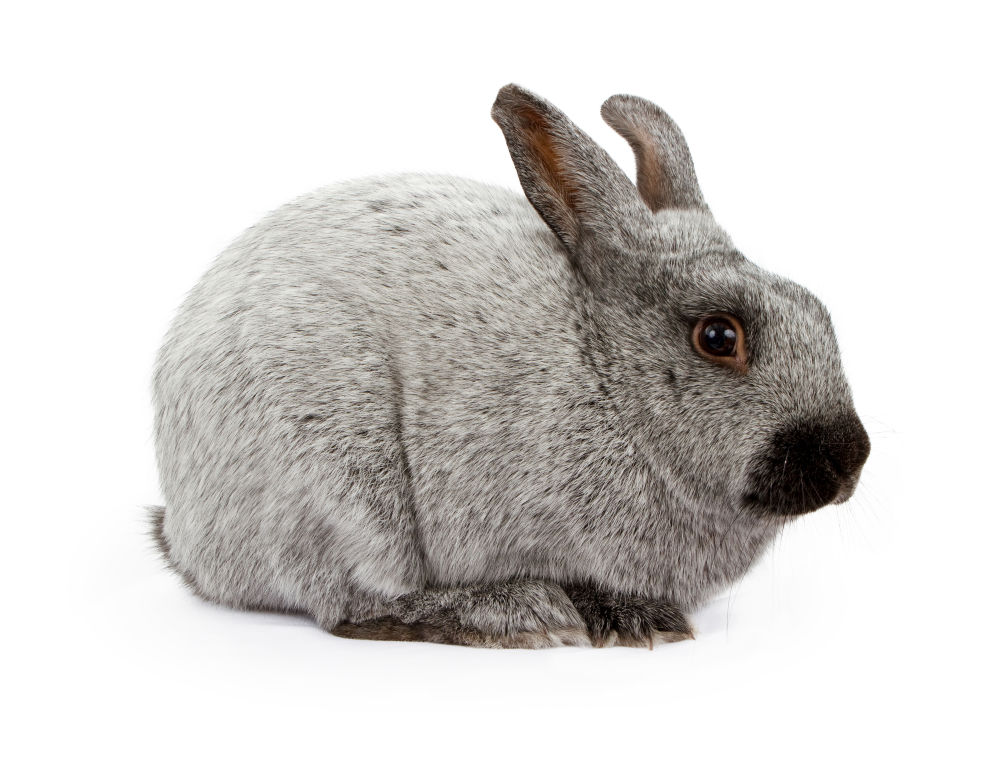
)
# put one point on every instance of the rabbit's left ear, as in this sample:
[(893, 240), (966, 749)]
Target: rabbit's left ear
[(665, 177)]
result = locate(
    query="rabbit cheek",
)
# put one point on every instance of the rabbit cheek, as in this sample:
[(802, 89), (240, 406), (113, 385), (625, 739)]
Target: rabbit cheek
[(808, 465)]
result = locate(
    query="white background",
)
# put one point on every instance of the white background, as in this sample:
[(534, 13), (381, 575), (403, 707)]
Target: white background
[(852, 149)]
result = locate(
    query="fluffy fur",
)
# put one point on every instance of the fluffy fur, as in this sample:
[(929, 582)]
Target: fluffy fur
[(413, 409)]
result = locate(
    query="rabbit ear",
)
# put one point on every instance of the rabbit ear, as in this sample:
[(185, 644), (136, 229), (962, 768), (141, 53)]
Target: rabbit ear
[(574, 184), (665, 176)]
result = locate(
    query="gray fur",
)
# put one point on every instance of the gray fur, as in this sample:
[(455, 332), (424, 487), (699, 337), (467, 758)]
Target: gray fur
[(405, 402)]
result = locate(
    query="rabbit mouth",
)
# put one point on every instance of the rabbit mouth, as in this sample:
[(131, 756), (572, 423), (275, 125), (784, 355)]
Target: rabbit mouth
[(847, 490), (807, 466)]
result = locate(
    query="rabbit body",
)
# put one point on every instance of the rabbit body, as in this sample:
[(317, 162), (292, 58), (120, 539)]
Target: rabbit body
[(393, 404)]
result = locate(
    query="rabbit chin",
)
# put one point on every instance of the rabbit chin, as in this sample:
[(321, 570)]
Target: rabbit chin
[(808, 465)]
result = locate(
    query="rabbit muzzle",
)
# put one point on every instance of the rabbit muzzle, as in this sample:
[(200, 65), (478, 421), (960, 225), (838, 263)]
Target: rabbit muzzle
[(808, 465)]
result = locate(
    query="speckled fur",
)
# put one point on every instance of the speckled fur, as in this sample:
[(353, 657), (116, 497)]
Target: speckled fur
[(407, 402)]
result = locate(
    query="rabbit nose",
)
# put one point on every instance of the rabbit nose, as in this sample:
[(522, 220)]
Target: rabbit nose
[(808, 465), (848, 446)]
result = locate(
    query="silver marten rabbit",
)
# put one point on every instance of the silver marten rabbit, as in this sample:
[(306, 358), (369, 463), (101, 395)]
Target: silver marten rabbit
[(412, 409)]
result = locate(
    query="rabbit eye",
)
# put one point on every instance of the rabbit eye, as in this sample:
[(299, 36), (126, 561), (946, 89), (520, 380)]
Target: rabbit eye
[(719, 337)]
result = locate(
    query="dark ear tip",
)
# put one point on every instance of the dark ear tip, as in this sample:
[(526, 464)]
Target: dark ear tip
[(617, 104), (513, 102), (505, 98), (514, 94), (623, 112), (631, 109), (609, 109), (507, 93)]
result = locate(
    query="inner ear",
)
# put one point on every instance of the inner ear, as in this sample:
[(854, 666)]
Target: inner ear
[(654, 187), (539, 136)]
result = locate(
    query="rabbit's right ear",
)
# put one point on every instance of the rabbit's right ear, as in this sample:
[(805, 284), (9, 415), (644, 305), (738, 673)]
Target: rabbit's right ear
[(665, 175), (574, 184)]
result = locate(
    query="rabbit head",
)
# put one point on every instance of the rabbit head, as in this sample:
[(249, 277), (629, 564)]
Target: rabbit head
[(725, 377)]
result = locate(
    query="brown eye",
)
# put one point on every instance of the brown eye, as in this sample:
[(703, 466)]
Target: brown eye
[(719, 337)]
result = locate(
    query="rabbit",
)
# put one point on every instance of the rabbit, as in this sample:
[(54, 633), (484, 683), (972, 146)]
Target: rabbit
[(424, 408)]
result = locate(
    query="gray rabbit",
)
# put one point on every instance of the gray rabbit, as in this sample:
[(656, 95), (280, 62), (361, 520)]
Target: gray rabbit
[(413, 410)]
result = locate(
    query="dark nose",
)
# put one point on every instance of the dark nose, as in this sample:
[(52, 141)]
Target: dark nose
[(808, 465)]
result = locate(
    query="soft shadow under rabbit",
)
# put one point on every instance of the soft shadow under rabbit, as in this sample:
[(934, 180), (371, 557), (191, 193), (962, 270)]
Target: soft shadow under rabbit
[(412, 409)]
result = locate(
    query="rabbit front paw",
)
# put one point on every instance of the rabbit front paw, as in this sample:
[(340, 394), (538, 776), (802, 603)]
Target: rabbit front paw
[(630, 621)]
